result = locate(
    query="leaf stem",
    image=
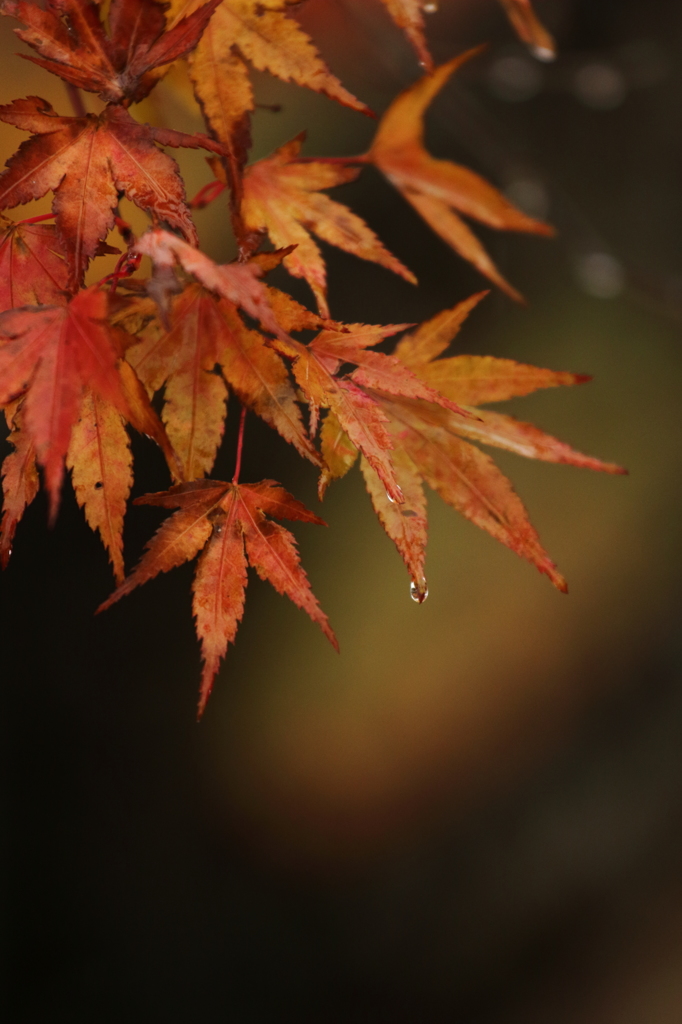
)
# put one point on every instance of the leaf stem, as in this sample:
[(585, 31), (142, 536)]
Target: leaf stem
[(126, 266), (37, 220), (207, 194), (124, 229), (76, 100), (240, 446), (364, 158)]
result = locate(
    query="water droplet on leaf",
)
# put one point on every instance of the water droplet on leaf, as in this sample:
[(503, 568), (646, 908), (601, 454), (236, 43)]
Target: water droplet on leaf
[(543, 53), (419, 591)]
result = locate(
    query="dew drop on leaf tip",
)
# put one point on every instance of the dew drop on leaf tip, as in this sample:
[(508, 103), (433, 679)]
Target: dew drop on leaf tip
[(543, 53), (392, 500), (419, 591)]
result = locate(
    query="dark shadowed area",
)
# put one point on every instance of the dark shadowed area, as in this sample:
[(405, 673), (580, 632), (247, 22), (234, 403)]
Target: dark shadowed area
[(473, 814)]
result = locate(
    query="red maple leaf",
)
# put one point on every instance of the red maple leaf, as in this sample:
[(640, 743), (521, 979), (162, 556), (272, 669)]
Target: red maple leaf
[(33, 271), (72, 43), (20, 482), (87, 162), (54, 353)]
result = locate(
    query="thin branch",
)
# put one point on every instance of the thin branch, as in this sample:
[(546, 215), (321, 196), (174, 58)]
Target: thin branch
[(364, 158), (240, 447), (76, 100), (37, 220), (207, 194)]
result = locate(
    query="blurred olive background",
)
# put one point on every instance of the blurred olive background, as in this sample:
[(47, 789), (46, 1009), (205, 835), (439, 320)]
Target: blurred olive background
[(474, 813)]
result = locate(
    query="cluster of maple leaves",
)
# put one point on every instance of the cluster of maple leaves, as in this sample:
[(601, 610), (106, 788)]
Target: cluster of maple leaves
[(79, 364)]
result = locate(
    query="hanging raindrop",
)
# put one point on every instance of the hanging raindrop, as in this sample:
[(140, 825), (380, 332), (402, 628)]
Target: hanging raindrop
[(419, 591), (543, 53)]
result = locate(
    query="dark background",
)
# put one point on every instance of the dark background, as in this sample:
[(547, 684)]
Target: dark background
[(474, 814)]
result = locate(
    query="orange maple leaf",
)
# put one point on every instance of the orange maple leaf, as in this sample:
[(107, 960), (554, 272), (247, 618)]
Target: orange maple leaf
[(316, 367), (428, 446), (72, 42), (87, 161), (101, 465), (262, 33), (438, 189), (228, 521), (283, 197), (205, 332)]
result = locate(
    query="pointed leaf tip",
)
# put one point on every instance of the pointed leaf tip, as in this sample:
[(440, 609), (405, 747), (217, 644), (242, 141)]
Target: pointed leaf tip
[(442, 191)]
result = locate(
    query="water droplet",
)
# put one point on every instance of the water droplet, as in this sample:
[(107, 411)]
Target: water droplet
[(543, 53), (419, 591), (392, 500), (430, 8)]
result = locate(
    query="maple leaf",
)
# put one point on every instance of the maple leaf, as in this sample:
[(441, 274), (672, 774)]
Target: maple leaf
[(87, 161), (238, 282), (429, 446), (33, 271), (206, 332), (262, 33), (100, 461), (55, 353), (405, 523), (438, 189), (101, 465), (20, 481), (409, 16), (229, 521), (283, 197), (71, 40), (529, 29), (316, 367), (338, 451), (468, 480)]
